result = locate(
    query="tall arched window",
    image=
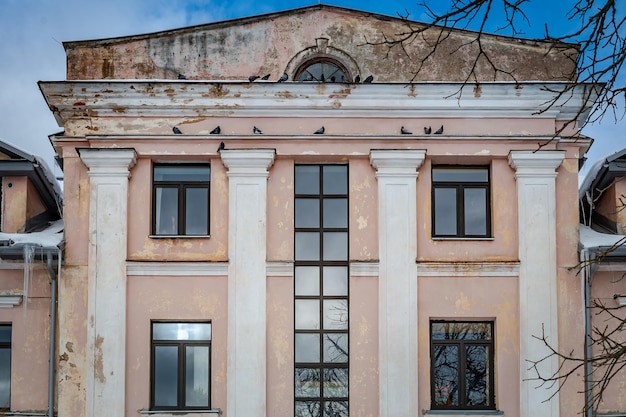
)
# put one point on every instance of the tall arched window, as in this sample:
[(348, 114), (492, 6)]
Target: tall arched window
[(323, 70)]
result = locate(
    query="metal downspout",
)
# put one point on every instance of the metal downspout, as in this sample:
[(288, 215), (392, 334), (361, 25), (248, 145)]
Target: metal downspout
[(587, 273), (53, 301)]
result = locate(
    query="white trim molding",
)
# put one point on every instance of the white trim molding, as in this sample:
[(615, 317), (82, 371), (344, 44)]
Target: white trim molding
[(184, 269), (468, 269), (10, 299)]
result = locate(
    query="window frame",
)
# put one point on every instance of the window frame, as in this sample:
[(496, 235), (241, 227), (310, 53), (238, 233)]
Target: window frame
[(323, 59), (181, 362), (461, 344), (460, 187), (181, 187), (5, 345)]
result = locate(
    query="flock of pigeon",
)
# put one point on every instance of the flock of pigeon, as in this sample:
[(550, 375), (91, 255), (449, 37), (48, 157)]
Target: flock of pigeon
[(321, 130)]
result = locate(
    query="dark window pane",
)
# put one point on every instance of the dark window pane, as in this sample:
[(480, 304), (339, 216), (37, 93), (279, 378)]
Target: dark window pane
[(307, 212), (307, 280), (308, 409), (165, 376), (335, 280), (335, 382), (307, 179), (475, 200), (196, 211), (181, 331), (336, 409), (166, 211), (336, 314), (335, 179), (336, 212), (182, 173), (307, 314), (445, 211), (461, 330), (197, 376), (307, 382), (476, 375), (5, 377), (445, 377), (460, 175), (336, 347), (307, 246), (5, 333), (307, 347), (336, 246)]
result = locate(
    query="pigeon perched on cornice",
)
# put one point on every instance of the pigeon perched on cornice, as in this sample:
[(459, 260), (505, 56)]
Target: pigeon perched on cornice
[(176, 130), (404, 131), (439, 131)]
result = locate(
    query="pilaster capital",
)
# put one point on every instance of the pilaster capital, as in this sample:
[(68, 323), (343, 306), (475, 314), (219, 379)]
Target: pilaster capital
[(536, 164), (108, 162), (397, 162), (247, 162)]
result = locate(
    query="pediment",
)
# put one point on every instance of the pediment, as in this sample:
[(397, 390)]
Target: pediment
[(282, 42)]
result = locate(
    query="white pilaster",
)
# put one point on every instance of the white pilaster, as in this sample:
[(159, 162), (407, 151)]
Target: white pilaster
[(397, 303), (536, 208), (105, 386), (247, 214)]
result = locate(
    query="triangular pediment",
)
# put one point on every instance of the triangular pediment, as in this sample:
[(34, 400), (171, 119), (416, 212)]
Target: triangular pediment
[(282, 42)]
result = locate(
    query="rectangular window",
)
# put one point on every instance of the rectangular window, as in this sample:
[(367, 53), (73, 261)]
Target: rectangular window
[(181, 366), (461, 202), (180, 200), (461, 355), (5, 366), (321, 291)]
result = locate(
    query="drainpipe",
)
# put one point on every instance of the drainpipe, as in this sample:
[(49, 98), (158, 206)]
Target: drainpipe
[(53, 301), (587, 272)]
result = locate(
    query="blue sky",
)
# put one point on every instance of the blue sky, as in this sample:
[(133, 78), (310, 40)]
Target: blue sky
[(32, 32)]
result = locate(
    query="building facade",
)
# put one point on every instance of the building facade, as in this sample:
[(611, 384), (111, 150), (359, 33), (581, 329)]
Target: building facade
[(328, 244)]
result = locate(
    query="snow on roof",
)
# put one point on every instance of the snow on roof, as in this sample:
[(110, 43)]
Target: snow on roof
[(590, 239), (47, 238)]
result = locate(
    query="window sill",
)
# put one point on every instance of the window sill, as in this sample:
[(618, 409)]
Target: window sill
[(487, 239), (167, 413), (179, 236), (464, 413)]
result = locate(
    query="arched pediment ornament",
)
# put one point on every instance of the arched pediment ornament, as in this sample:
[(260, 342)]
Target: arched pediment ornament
[(322, 63)]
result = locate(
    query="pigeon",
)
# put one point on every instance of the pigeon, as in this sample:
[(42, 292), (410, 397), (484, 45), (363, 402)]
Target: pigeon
[(439, 131), (404, 131), (221, 147), (427, 130), (266, 77), (181, 77), (176, 131), (252, 78), (283, 78), (319, 131), (357, 79), (215, 131), (369, 79), (257, 131), (333, 79)]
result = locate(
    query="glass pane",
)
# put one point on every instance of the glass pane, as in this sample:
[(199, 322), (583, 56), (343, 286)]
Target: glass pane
[(307, 347), (336, 314), (445, 211), (336, 409), (165, 376), (307, 409), (307, 179), (307, 314), (5, 377), (445, 378), (181, 331), (335, 280), (335, 382), (336, 347), (476, 375), (197, 376), (197, 211), (5, 333), (307, 246), (307, 212), (336, 212), (461, 330), (307, 280), (182, 173), (166, 211), (460, 175), (307, 382), (335, 179), (336, 246), (475, 200)]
